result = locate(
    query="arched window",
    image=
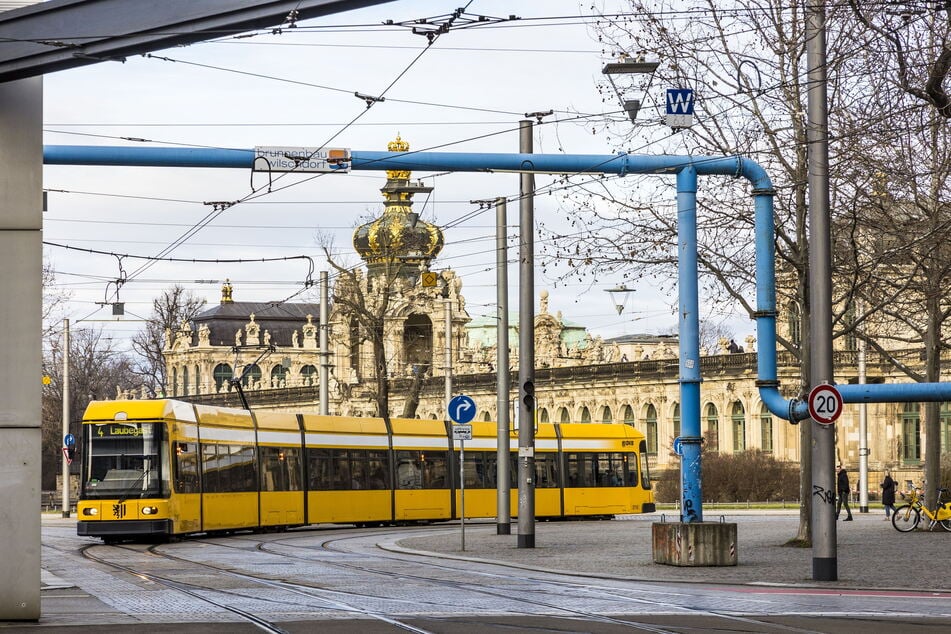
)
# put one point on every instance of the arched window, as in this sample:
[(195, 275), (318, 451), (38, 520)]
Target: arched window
[(354, 343), (418, 341), (185, 385), (197, 380), (713, 428), (766, 428), (911, 434), (738, 417), (563, 415), (627, 415), (851, 341), (607, 416), (585, 414), (278, 376), (543, 415), (222, 374), (251, 375), (308, 374), (174, 389), (650, 429), (485, 417), (676, 420), (795, 325)]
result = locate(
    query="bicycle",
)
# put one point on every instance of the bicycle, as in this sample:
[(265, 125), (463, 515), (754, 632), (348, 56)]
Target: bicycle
[(907, 516)]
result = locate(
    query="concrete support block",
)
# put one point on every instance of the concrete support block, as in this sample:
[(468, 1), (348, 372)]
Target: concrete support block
[(694, 544), (20, 524)]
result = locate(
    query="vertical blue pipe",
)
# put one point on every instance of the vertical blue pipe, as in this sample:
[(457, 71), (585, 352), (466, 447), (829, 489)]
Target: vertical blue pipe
[(690, 472)]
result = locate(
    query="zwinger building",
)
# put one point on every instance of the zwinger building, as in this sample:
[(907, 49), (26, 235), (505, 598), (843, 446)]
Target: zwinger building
[(273, 350)]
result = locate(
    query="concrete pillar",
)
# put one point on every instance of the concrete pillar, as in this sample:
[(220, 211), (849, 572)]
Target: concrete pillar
[(694, 544), (21, 263)]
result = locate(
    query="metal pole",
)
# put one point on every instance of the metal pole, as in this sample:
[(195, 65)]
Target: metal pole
[(462, 492), (526, 348), (65, 415), (324, 346), (863, 424), (690, 472), (824, 556), (503, 523), (447, 363)]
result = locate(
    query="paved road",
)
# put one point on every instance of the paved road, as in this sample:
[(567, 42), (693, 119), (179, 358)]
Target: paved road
[(582, 576)]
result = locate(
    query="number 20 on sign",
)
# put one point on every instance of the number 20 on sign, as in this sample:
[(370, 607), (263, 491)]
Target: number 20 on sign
[(825, 404)]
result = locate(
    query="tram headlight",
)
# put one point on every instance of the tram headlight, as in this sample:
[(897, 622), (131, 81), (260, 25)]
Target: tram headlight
[(149, 510), (90, 511)]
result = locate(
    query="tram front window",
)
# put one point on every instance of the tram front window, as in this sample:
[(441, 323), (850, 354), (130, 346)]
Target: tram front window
[(123, 460)]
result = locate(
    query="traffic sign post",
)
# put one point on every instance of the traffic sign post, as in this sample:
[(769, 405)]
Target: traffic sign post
[(462, 409), (825, 404)]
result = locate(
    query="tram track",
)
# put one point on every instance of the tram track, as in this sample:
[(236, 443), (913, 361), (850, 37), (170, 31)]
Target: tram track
[(596, 592), (302, 584), (195, 590)]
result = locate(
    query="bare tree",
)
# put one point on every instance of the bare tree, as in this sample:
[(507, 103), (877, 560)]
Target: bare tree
[(96, 371), (169, 310), (918, 40)]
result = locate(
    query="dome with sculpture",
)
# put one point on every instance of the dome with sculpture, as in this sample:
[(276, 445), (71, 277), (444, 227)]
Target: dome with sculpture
[(398, 235)]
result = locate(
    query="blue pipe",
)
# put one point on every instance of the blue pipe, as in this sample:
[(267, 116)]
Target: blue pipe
[(622, 164), (689, 321), (146, 156)]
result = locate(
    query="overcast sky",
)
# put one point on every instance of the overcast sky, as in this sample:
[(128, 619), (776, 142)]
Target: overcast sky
[(465, 93)]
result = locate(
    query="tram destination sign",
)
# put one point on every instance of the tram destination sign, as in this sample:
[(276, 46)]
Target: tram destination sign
[(270, 158)]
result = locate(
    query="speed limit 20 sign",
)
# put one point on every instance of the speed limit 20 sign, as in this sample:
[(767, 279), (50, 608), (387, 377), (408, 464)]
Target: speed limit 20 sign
[(825, 404)]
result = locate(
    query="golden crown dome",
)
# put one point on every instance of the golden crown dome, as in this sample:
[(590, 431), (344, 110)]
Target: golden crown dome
[(398, 235)]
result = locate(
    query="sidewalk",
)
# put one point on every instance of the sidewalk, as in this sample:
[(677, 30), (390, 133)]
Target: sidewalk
[(871, 553)]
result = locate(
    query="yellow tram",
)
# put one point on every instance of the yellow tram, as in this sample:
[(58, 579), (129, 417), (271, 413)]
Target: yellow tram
[(160, 468)]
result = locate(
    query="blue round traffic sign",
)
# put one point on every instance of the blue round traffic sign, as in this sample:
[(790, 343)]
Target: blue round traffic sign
[(462, 409), (69, 440)]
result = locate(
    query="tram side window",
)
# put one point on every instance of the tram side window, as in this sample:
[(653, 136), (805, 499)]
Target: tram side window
[(319, 469), (587, 469), (186, 467), (280, 469), (579, 469), (610, 469), (631, 465), (379, 473), (228, 468), (546, 470), (645, 472), (421, 470), (408, 470), (479, 469)]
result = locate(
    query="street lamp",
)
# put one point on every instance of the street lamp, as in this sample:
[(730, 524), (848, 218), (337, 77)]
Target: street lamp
[(627, 65), (619, 295)]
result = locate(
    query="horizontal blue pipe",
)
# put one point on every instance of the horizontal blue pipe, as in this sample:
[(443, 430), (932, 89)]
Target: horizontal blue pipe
[(621, 164), (146, 156), (895, 392)]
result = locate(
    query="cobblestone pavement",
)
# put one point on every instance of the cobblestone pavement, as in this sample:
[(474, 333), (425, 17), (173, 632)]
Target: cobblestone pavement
[(871, 553), (885, 577)]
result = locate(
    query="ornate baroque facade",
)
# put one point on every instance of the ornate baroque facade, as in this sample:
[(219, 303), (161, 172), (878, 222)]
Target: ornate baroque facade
[(274, 350)]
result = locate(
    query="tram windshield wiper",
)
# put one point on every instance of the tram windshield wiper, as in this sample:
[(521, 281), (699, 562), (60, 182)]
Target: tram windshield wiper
[(128, 491)]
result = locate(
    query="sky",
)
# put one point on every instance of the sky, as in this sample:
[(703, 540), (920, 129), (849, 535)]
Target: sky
[(464, 93)]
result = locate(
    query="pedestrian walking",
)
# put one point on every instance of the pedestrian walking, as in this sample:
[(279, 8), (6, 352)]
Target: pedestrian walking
[(843, 489), (888, 494)]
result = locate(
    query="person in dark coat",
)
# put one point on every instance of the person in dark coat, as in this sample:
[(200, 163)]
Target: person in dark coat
[(843, 490), (888, 495)]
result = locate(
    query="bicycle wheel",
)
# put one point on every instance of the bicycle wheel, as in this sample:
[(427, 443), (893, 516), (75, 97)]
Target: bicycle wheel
[(905, 518), (945, 524)]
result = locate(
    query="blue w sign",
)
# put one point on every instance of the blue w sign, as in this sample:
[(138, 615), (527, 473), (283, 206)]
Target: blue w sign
[(679, 107)]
